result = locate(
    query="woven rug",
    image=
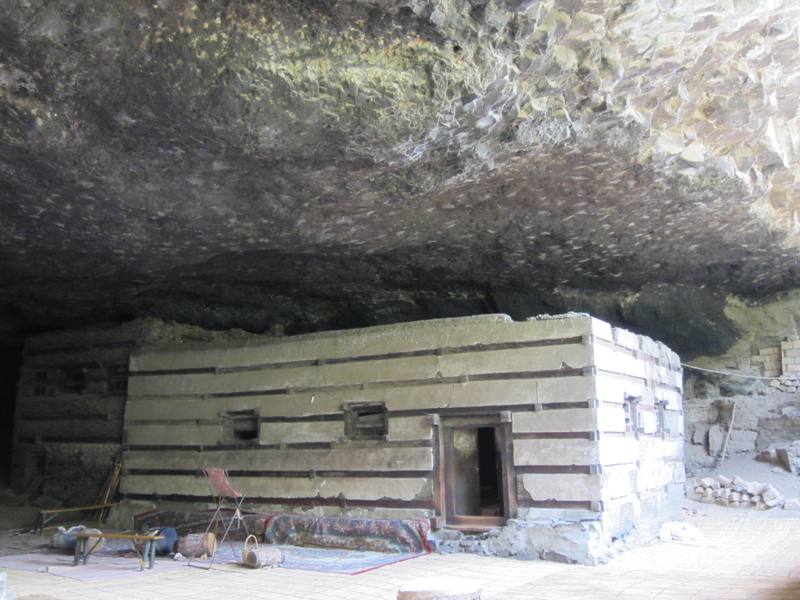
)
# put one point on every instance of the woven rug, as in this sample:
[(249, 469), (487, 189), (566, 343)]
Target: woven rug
[(377, 535), (328, 560)]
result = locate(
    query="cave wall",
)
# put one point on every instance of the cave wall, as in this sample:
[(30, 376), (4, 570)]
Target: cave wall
[(764, 353), (70, 405)]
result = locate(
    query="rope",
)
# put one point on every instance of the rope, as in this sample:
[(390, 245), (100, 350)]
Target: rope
[(728, 373)]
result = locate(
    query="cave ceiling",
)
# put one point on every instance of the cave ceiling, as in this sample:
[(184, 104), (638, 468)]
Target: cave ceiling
[(313, 164)]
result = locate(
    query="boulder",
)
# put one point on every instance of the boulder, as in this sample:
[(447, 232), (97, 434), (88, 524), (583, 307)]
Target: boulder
[(700, 434), (680, 532), (770, 492), (783, 458), (772, 497), (710, 482), (792, 504), (754, 488), (716, 438)]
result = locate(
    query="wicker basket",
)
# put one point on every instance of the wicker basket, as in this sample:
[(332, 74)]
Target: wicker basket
[(258, 558)]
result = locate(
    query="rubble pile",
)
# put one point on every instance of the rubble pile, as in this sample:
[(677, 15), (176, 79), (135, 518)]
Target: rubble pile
[(739, 493), (787, 383)]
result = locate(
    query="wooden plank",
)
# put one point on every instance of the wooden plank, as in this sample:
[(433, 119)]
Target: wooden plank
[(338, 459), (303, 431), (52, 511), (517, 360), (332, 507), (563, 487), (556, 452), (575, 419), (403, 337), (400, 429), (363, 488), (418, 397), (508, 476), (387, 370), (206, 383)]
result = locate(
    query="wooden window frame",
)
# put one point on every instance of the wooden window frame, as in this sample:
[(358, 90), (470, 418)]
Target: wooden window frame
[(631, 408), (352, 412), (229, 426)]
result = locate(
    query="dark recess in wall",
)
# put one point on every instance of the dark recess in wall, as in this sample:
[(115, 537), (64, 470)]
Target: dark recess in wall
[(10, 360)]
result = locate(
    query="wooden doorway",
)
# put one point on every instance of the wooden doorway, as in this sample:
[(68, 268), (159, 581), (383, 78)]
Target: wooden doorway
[(476, 472)]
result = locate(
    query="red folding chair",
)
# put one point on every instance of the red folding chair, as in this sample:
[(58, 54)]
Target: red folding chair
[(228, 498)]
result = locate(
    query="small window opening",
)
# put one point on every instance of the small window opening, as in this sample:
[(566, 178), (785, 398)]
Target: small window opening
[(661, 423), (242, 425), (631, 415), (366, 421)]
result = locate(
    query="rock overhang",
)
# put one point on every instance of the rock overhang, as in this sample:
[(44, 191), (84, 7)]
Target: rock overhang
[(180, 159)]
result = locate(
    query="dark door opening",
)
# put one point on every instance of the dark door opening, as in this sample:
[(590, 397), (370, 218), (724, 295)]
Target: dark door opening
[(474, 473), (489, 473)]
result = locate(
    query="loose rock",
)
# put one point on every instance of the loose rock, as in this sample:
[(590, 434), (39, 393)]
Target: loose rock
[(792, 504)]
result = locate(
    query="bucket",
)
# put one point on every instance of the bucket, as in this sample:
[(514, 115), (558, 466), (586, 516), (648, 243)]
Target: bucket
[(167, 545), (257, 558)]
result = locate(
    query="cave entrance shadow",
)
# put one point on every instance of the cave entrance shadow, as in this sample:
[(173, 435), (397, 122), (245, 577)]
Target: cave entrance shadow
[(10, 362)]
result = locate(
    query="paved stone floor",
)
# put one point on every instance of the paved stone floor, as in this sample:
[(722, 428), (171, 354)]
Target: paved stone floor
[(742, 557)]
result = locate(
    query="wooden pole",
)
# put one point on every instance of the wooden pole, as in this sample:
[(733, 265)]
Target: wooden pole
[(728, 436)]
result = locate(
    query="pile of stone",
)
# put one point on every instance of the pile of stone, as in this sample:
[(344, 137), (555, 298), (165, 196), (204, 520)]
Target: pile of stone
[(787, 383), (738, 493)]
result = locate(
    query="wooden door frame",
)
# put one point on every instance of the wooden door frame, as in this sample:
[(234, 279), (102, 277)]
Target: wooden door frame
[(501, 422)]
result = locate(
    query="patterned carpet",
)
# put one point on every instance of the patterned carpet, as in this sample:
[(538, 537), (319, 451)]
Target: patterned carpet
[(328, 560)]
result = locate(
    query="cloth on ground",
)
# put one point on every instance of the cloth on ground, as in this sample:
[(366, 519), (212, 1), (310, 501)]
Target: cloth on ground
[(377, 535), (329, 560)]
